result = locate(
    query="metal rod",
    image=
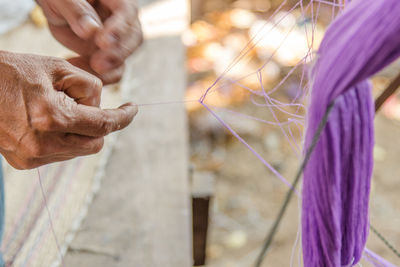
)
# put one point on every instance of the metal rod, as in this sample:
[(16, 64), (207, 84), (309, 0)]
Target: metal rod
[(389, 91)]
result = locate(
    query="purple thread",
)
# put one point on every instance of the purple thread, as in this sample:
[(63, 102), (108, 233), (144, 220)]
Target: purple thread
[(249, 46), (234, 133), (375, 259), (267, 99)]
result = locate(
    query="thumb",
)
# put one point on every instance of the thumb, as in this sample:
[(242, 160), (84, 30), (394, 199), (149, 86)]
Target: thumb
[(80, 15), (93, 121)]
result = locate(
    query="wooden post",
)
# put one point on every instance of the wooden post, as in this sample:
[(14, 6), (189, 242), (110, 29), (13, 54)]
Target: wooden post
[(202, 191)]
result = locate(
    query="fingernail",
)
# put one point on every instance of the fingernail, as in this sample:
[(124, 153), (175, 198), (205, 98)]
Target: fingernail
[(88, 25), (132, 107)]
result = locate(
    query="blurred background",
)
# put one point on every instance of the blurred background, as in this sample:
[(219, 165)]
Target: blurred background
[(247, 195)]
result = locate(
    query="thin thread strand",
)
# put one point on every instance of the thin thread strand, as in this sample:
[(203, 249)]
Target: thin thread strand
[(50, 219), (384, 240)]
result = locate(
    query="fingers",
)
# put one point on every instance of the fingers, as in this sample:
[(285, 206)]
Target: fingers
[(78, 84), (70, 117), (120, 36), (85, 145), (104, 60), (91, 121), (81, 135), (108, 45), (82, 63), (54, 144), (54, 147), (123, 17), (74, 107), (108, 77), (69, 39), (115, 28), (51, 113), (114, 75), (80, 16)]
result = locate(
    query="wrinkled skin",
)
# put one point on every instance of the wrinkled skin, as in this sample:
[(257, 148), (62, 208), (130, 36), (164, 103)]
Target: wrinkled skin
[(49, 111), (103, 32), (49, 107)]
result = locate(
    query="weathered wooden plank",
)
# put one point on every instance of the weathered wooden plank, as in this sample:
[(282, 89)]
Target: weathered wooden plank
[(142, 216)]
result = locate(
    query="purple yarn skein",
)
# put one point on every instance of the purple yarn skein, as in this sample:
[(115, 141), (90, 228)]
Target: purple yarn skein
[(360, 42)]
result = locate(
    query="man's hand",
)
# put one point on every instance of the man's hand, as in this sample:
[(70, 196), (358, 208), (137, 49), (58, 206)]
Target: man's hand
[(103, 32), (49, 111)]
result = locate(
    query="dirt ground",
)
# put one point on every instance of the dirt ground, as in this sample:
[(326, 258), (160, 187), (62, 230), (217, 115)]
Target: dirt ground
[(247, 195)]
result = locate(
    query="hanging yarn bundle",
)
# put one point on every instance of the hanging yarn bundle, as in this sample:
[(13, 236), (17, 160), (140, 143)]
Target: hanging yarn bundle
[(364, 39)]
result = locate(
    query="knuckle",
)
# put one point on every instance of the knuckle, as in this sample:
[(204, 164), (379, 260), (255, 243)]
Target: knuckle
[(93, 94), (118, 58), (41, 116), (60, 64), (43, 123), (97, 84), (107, 125), (93, 101), (113, 77)]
